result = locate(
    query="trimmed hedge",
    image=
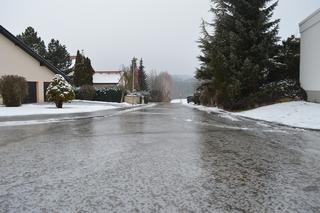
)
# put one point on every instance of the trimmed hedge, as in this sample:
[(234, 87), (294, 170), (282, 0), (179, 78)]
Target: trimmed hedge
[(112, 94), (13, 90), (87, 92)]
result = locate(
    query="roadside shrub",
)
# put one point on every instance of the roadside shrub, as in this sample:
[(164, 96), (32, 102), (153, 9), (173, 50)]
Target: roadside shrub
[(86, 92), (59, 91), (196, 98), (112, 94), (155, 96), (285, 90), (13, 90)]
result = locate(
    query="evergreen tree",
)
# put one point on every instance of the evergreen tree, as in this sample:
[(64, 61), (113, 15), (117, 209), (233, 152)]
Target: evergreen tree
[(237, 56), (287, 61), (142, 77), (31, 39), (83, 71), (59, 91), (58, 55)]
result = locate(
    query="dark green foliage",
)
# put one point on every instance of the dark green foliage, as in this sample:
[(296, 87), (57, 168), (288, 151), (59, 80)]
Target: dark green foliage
[(59, 91), (236, 57), (58, 55), (196, 97), (271, 93), (113, 94), (13, 90), (287, 61), (86, 92), (83, 71), (31, 39), (142, 77), (109, 94)]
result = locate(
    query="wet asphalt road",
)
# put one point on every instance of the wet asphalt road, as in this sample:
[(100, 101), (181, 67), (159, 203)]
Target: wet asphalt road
[(166, 158)]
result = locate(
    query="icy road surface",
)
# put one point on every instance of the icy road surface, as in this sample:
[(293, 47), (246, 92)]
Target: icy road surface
[(166, 158)]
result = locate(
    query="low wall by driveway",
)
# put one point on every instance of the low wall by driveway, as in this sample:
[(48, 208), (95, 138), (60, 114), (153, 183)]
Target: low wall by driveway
[(133, 99)]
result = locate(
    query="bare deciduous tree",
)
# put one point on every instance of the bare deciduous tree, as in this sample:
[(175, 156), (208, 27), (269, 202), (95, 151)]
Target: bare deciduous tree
[(160, 86)]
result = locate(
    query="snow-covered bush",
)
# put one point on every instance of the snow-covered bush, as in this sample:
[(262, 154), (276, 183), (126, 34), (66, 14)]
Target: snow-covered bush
[(59, 91), (13, 90)]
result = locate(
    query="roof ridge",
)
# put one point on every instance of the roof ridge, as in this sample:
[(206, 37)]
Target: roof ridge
[(24, 47)]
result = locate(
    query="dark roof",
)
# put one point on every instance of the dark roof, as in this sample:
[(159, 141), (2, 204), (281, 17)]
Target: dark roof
[(23, 46)]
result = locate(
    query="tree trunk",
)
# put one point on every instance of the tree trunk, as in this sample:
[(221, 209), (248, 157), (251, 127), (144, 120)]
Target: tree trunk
[(59, 104)]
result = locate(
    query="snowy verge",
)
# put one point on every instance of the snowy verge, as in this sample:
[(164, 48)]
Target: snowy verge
[(68, 119), (50, 109), (298, 114)]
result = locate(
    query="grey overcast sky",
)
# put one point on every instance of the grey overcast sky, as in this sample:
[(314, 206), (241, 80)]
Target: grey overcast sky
[(111, 32)]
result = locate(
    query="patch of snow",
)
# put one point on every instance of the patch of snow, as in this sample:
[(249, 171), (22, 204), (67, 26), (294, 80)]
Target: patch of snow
[(124, 104), (53, 120), (112, 77), (229, 116), (179, 101), (48, 109), (297, 114)]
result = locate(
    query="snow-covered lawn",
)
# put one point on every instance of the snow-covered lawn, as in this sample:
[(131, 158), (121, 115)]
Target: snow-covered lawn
[(299, 114), (48, 109)]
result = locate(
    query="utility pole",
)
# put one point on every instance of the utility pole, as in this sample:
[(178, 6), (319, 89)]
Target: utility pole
[(132, 67)]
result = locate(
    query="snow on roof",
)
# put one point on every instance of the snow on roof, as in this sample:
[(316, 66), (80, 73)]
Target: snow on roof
[(73, 61), (107, 77)]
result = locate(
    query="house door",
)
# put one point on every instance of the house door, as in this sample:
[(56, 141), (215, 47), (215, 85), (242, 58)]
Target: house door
[(45, 87), (32, 93)]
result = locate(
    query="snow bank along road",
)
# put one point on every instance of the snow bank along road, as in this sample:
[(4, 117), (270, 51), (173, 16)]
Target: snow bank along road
[(165, 158), (50, 109), (298, 114)]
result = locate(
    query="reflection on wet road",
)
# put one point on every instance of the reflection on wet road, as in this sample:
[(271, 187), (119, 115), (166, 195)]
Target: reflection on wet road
[(167, 158)]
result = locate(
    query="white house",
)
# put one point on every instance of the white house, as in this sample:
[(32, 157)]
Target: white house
[(16, 58), (107, 78), (310, 56)]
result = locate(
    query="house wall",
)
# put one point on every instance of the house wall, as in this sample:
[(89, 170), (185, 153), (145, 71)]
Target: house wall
[(15, 61), (310, 56)]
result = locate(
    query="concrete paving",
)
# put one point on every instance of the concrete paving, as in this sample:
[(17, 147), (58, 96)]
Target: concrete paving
[(166, 158)]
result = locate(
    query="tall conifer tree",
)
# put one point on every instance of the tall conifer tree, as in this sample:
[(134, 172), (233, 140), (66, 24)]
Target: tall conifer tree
[(58, 55), (83, 71), (236, 57), (32, 40), (142, 77)]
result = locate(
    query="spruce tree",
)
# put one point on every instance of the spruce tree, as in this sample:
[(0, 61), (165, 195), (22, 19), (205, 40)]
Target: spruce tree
[(32, 40), (142, 77), (287, 61), (237, 56), (83, 71), (58, 55)]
